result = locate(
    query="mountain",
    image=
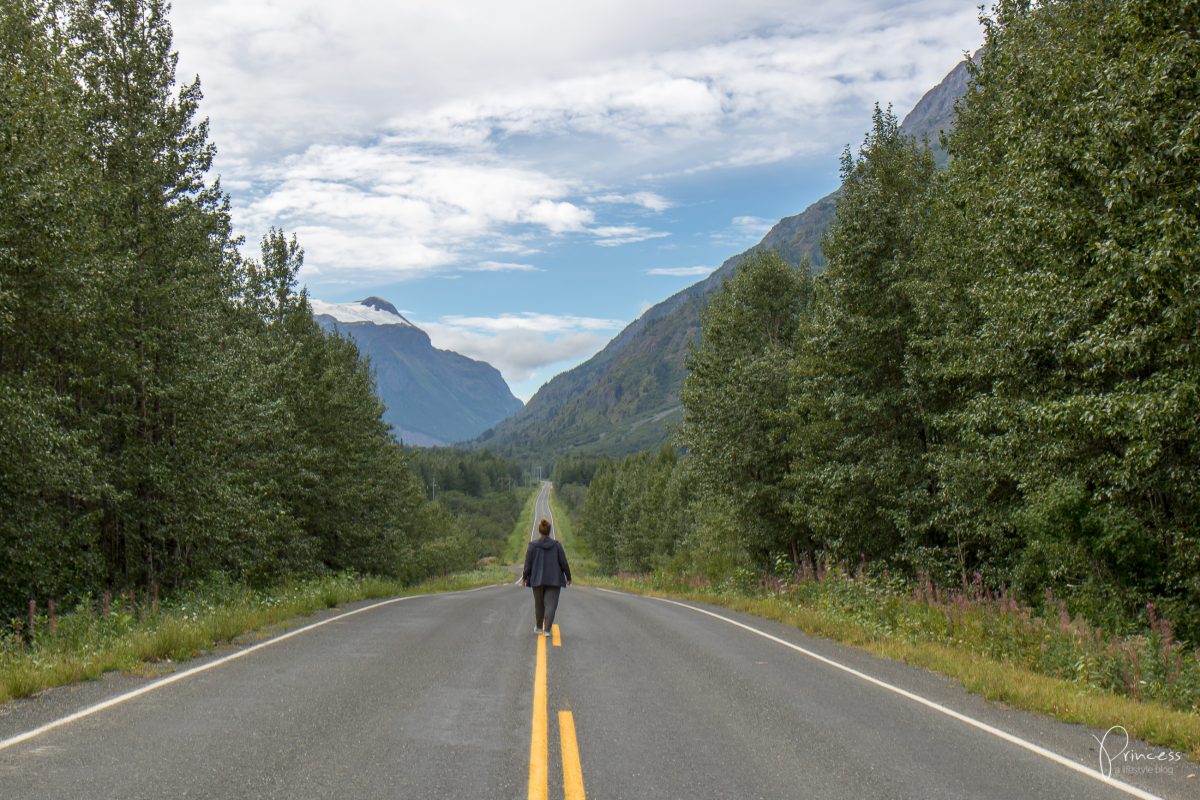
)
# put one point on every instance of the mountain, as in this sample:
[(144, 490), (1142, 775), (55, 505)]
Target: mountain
[(626, 397), (433, 397)]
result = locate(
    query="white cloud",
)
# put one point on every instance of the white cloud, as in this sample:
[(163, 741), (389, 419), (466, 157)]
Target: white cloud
[(558, 217), (753, 226), (502, 266), (684, 59), (407, 137), (533, 321), (650, 201), (681, 272), (743, 230), (381, 209), (615, 235), (519, 345)]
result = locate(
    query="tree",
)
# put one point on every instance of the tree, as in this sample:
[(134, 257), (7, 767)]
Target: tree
[(1068, 238), (48, 467), (859, 476), (735, 396)]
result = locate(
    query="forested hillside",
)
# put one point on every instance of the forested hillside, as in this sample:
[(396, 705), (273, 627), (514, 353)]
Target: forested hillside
[(996, 379), (169, 409)]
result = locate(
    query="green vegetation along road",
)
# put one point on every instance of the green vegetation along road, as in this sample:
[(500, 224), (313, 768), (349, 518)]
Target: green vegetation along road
[(449, 696)]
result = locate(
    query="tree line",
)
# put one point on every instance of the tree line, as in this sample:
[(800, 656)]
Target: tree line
[(168, 407), (483, 491), (997, 373)]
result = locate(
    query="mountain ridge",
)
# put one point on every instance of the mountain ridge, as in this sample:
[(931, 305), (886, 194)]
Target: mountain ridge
[(431, 396)]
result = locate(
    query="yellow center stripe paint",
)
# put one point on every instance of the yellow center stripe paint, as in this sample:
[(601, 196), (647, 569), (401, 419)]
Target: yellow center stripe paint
[(555, 636), (572, 770), (538, 738)]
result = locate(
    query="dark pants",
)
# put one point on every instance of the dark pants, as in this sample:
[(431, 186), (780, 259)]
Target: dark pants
[(545, 603)]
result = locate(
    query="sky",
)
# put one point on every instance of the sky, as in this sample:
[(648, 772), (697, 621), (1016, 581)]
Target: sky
[(523, 179)]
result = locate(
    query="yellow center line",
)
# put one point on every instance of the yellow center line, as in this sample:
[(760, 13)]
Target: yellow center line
[(539, 738), (555, 636), (572, 771)]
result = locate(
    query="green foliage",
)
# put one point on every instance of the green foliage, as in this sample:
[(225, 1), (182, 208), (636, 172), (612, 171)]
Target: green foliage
[(1058, 293), (169, 409), (858, 476), (635, 512), (971, 624), (998, 373), (736, 396), (473, 472), (576, 468), (480, 489), (87, 642), (518, 537)]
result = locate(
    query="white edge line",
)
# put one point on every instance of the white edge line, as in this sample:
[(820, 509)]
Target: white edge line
[(122, 698), (949, 712)]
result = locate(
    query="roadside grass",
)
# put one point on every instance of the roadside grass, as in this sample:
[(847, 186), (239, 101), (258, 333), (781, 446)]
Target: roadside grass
[(562, 521), (1041, 662), (144, 638), (514, 551), (577, 551)]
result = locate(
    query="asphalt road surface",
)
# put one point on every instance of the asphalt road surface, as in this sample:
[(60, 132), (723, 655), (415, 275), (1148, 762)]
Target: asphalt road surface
[(452, 696), (541, 511)]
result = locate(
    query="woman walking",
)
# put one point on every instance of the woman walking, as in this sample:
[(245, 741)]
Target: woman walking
[(546, 571)]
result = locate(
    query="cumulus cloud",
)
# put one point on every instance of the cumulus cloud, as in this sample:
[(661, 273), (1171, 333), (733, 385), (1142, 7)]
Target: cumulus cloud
[(540, 121), (533, 321), (558, 217)]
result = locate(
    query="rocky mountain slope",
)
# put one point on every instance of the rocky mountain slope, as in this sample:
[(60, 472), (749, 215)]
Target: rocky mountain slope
[(433, 397)]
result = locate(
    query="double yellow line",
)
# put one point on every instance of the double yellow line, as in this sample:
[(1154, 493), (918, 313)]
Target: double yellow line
[(539, 738)]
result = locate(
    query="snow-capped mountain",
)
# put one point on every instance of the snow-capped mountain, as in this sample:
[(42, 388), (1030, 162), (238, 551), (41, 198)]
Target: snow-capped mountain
[(372, 309)]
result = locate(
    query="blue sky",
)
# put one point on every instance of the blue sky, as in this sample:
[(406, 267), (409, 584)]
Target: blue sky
[(524, 179)]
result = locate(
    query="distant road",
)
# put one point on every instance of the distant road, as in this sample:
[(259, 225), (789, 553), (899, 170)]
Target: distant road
[(451, 696), (541, 511)]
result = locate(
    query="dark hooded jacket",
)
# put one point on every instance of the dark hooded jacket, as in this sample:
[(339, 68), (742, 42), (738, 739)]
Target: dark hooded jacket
[(546, 564)]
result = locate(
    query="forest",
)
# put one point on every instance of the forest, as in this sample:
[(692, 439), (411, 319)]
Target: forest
[(995, 381), (169, 410)]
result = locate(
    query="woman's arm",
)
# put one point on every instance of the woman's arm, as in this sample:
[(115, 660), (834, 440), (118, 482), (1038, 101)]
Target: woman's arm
[(562, 562), (528, 565)]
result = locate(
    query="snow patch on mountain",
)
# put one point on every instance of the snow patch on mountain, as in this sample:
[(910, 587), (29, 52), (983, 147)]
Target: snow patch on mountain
[(371, 309)]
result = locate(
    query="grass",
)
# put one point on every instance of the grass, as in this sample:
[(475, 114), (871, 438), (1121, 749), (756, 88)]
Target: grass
[(514, 551), (577, 552), (143, 638), (565, 526), (1041, 662)]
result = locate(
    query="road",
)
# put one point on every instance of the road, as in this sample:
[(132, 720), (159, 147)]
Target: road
[(437, 697), (541, 511)]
